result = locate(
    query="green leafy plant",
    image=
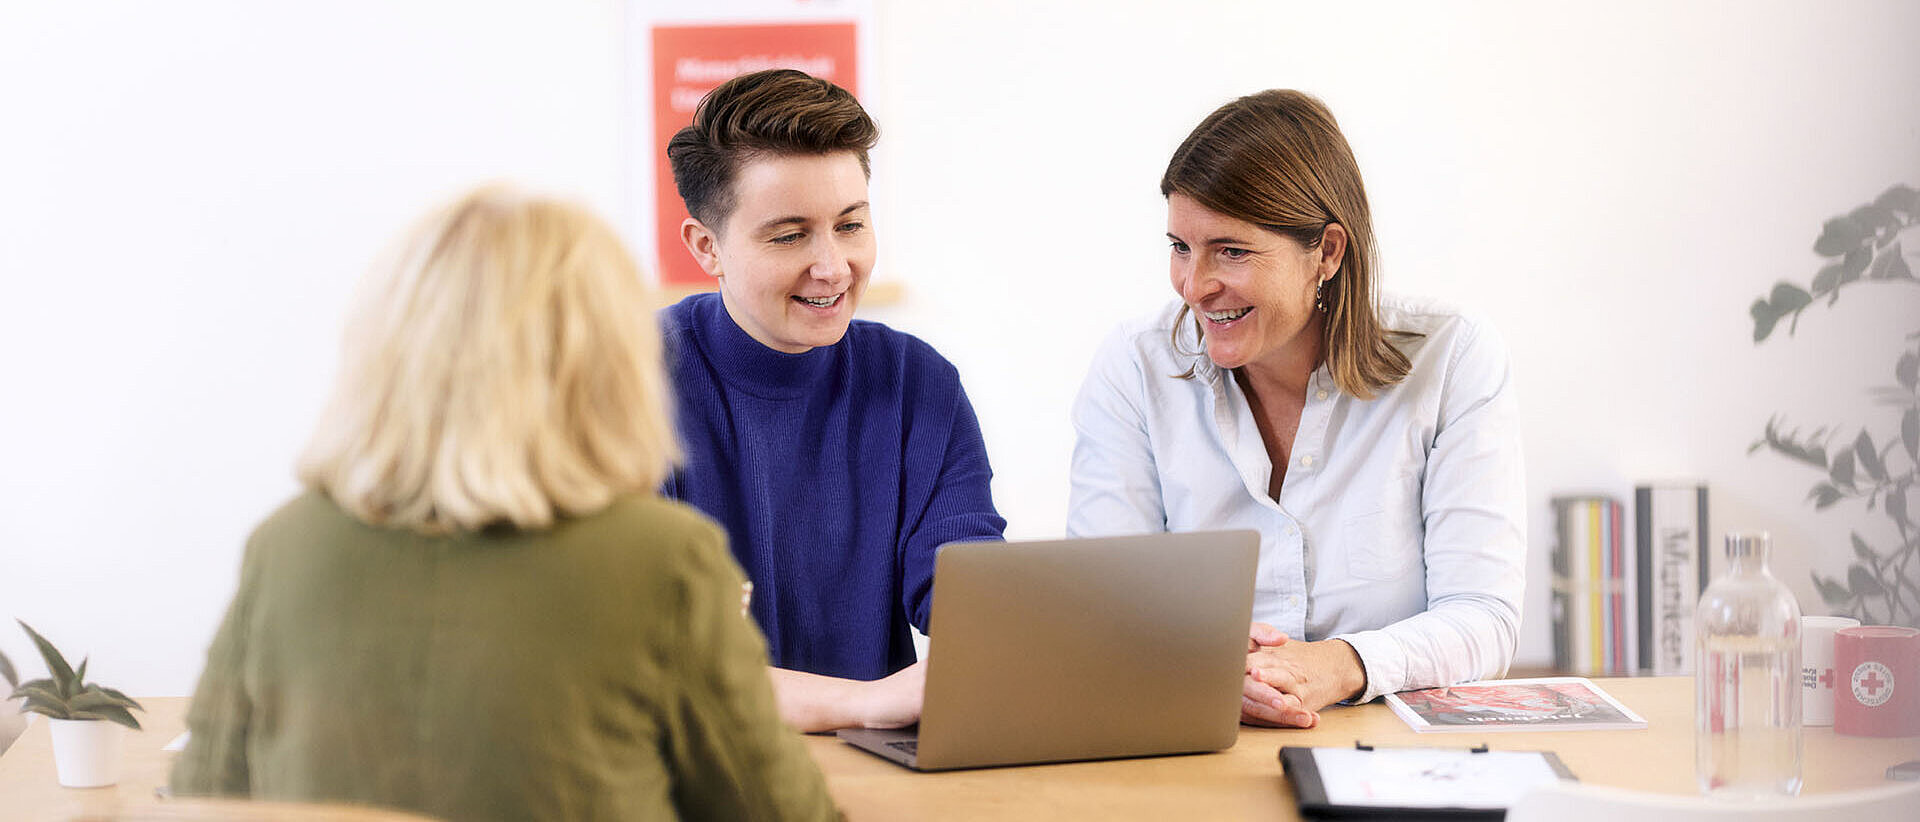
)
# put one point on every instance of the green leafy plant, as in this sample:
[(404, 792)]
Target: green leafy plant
[(66, 694), (6, 672), (1875, 467)]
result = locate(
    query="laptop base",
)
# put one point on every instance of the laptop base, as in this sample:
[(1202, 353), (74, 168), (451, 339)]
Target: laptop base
[(899, 745)]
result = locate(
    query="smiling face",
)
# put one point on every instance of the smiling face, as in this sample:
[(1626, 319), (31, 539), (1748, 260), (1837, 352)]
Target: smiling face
[(1252, 289), (794, 254)]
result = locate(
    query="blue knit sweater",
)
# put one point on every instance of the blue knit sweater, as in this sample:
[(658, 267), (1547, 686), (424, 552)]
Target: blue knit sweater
[(837, 473)]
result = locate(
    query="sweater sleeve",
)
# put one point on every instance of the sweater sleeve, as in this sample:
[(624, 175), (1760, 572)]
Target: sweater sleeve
[(730, 755), (959, 507), (215, 760)]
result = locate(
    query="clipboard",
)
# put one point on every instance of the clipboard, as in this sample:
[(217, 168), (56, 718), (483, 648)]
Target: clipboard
[(1415, 783)]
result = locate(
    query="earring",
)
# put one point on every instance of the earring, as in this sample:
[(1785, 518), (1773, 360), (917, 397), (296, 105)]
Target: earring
[(1319, 298)]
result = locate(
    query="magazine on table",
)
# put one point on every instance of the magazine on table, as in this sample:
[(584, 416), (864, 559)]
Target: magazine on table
[(1563, 703)]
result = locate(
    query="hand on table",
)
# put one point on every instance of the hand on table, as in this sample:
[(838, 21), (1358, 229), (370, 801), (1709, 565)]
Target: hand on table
[(894, 701), (812, 703), (1289, 681)]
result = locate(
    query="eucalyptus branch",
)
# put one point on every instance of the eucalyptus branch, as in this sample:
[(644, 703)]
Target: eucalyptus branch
[(1888, 583), (1865, 245), (1866, 611), (1909, 547)]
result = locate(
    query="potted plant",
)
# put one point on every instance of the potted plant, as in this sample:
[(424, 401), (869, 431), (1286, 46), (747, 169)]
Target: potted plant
[(84, 717)]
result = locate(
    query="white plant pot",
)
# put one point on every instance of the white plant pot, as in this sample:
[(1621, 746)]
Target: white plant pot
[(86, 752)]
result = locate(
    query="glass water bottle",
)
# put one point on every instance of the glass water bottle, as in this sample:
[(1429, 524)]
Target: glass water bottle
[(1747, 683)]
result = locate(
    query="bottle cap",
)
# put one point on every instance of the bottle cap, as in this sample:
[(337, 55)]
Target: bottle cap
[(1748, 544)]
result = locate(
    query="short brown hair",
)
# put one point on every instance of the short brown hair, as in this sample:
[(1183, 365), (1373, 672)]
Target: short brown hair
[(1277, 159), (778, 111)]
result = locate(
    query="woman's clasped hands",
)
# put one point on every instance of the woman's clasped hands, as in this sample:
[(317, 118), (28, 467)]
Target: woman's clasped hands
[(1289, 681)]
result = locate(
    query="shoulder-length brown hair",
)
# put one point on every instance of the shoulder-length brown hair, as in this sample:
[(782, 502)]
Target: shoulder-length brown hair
[(1277, 159), (502, 366)]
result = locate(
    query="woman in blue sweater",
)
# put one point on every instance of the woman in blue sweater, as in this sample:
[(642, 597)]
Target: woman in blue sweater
[(839, 454)]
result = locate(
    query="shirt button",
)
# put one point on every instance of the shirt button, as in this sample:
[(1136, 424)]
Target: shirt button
[(1292, 531), (1307, 460), (1319, 395)]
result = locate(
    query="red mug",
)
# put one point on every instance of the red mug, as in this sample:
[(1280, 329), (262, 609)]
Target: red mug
[(1877, 687)]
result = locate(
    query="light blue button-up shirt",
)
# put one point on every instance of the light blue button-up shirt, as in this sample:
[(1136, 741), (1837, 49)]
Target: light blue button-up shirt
[(1401, 525)]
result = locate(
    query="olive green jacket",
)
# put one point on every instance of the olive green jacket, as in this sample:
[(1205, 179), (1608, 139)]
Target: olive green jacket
[(601, 669)]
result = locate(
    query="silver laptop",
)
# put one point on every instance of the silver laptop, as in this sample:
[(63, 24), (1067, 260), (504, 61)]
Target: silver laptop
[(1081, 649)]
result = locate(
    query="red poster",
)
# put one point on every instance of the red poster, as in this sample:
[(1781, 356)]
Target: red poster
[(688, 61)]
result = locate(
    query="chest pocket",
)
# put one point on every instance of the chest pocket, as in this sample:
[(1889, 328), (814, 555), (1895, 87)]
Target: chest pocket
[(1386, 543)]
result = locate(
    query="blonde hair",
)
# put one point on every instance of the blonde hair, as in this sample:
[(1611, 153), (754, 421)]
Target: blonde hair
[(503, 366), (1277, 159)]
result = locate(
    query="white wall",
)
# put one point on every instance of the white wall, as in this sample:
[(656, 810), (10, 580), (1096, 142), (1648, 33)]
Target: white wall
[(188, 191), (1613, 184)]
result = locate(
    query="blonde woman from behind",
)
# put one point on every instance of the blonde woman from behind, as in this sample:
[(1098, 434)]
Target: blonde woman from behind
[(479, 608)]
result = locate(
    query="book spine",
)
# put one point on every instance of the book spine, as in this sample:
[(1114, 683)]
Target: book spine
[(1594, 608), (1607, 569), (1577, 584), (1627, 603), (1701, 549), (1605, 589), (1644, 555), (1617, 590), (1575, 627), (1596, 650), (1561, 607), (1616, 615), (1674, 548)]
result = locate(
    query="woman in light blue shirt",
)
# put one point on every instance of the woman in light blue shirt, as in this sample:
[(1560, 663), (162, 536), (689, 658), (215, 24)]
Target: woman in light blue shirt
[(1372, 441)]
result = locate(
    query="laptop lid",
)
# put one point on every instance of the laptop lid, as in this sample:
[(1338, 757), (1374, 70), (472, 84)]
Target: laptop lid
[(1086, 648)]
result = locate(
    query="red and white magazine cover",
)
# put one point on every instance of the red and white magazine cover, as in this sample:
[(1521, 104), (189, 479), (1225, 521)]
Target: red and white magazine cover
[(1548, 704)]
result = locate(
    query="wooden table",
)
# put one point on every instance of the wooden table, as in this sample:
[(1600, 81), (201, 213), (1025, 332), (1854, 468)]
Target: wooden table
[(1241, 783)]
